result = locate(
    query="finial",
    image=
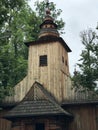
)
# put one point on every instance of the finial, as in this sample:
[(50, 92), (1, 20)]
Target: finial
[(47, 7)]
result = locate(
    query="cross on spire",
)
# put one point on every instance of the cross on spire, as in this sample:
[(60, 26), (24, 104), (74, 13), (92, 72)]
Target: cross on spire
[(47, 7)]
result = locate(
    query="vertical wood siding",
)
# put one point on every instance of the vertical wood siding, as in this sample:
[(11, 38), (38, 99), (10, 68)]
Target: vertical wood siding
[(54, 76), (4, 124), (84, 117)]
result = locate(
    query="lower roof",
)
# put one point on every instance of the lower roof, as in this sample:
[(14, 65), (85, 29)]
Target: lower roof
[(37, 102), (80, 102), (47, 39), (7, 105)]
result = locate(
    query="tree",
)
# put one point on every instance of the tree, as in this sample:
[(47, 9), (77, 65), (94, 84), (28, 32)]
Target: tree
[(13, 57), (88, 73)]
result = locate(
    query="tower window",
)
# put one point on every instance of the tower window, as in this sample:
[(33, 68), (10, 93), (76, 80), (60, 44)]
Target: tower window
[(43, 60), (66, 63), (62, 59)]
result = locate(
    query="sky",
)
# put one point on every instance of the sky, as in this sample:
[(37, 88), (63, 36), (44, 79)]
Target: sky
[(78, 15)]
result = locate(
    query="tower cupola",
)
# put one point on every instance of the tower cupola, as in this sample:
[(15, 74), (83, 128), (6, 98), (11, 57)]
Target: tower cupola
[(48, 27)]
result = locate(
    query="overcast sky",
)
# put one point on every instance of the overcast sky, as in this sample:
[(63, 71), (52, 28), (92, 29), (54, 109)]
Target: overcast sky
[(78, 15)]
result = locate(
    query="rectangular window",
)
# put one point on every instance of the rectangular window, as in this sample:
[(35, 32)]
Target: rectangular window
[(43, 60), (66, 63), (62, 59)]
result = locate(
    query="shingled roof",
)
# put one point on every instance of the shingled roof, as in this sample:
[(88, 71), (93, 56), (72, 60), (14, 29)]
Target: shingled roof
[(49, 39), (37, 102)]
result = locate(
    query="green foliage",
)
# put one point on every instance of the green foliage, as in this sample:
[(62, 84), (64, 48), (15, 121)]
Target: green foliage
[(88, 74), (13, 55)]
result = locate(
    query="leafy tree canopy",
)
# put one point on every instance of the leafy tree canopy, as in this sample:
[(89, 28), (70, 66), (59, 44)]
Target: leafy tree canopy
[(87, 76)]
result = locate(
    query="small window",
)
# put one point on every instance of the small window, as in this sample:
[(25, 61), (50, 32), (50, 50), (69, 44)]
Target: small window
[(66, 63), (62, 59), (43, 60)]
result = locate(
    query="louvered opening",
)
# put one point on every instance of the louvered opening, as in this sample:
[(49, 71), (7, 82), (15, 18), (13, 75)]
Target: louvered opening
[(43, 60), (62, 59)]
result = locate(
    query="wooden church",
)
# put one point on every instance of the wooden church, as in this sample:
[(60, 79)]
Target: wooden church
[(44, 99)]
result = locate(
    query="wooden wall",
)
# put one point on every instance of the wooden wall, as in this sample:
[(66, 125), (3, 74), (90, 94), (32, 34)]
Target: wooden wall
[(4, 124), (96, 113), (55, 75), (30, 124), (19, 91), (84, 117)]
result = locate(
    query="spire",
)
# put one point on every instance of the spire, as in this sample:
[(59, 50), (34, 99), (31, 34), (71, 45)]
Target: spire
[(47, 8), (48, 27)]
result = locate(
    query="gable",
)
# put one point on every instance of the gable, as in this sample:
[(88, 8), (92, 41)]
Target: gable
[(35, 93), (37, 102)]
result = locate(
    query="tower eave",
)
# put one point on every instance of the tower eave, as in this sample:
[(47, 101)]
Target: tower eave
[(49, 39)]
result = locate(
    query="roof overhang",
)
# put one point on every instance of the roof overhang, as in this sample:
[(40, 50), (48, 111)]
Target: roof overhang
[(80, 102), (49, 39)]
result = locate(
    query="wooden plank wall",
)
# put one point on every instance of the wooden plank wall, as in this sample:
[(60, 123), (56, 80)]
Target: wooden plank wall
[(19, 91), (84, 117), (54, 77), (30, 124), (4, 124), (96, 111)]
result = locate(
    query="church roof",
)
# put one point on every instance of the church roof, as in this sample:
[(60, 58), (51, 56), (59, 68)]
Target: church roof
[(49, 39), (37, 102)]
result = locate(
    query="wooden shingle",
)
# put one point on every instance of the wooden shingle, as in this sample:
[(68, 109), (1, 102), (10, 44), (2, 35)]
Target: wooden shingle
[(37, 102)]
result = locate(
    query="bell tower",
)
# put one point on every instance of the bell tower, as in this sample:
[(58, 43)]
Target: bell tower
[(48, 59)]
